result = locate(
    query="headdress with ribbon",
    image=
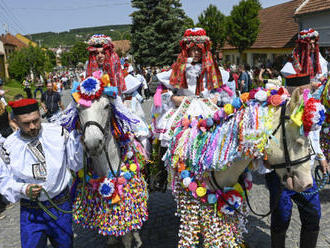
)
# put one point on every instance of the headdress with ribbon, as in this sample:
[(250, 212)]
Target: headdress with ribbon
[(111, 64), (196, 37), (302, 57), (24, 106)]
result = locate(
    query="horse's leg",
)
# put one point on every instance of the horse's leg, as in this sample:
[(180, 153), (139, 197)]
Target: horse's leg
[(137, 238), (127, 240), (146, 144)]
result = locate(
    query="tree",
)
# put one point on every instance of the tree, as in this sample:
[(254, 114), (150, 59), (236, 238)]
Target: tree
[(67, 59), (213, 21), (29, 59), (77, 54), (188, 23), (157, 27), (243, 24)]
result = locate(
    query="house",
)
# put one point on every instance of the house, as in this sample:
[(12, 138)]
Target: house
[(122, 46), (26, 41), (276, 38), (316, 14), (2, 61), (10, 44)]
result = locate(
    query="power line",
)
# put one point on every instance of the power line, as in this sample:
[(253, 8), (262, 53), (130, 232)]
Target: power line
[(73, 8), (5, 22), (16, 20), (9, 18)]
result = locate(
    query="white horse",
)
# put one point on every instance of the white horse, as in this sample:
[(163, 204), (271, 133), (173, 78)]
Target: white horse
[(103, 148)]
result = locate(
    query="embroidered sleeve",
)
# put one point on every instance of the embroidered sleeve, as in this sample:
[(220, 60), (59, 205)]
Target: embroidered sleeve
[(10, 188), (314, 137), (74, 151)]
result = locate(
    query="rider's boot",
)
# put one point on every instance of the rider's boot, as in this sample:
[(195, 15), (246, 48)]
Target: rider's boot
[(308, 239), (278, 239)]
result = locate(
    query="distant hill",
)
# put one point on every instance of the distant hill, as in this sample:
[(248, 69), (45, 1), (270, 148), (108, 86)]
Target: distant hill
[(68, 38)]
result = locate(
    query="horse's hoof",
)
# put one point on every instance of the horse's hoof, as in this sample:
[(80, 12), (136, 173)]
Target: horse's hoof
[(139, 245)]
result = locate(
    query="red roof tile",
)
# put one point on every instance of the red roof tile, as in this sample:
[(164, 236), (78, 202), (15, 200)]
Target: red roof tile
[(310, 6), (9, 39), (123, 45), (278, 28)]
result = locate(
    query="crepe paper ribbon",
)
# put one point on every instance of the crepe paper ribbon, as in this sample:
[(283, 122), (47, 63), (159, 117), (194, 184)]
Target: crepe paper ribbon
[(111, 91), (76, 96), (85, 103)]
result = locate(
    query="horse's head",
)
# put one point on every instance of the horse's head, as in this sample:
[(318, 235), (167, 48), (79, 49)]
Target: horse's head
[(297, 177), (94, 120)]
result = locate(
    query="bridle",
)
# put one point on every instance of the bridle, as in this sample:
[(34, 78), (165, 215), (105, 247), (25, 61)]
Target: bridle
[(104, 148), (288, 164)]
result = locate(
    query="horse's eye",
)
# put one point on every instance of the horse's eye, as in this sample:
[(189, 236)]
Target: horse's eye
[(107, 106)]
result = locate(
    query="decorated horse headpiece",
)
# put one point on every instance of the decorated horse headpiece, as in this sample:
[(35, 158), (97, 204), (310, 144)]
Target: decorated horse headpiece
[(91, 89), (111, 65), (196, 37), (302, 61)]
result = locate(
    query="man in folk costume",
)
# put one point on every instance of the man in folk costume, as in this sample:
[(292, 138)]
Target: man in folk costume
[(194, 74), (104, 63), (193, 88), (306, 57), (281, 198), (36, 170)]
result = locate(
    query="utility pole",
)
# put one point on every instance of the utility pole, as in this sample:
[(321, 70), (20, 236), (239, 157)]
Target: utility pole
[(5, 27), (39, 41)]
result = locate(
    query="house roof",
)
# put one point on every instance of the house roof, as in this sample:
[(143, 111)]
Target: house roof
[(9, 39), (25, 40), (123, 45), (311, 6), (278, 28)]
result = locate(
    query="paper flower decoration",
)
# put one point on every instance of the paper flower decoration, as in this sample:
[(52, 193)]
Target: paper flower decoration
[(313, 116), (106, 188), (233, 198), (91, 88)]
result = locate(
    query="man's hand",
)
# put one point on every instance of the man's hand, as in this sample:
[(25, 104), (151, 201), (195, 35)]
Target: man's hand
[(36, 189), (324, 166), (177, 100), (214, 100)]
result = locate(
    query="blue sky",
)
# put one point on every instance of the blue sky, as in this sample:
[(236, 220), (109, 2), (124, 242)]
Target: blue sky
[(34, 16)]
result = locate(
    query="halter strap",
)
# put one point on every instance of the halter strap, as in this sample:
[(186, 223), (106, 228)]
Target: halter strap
[(288, 162)]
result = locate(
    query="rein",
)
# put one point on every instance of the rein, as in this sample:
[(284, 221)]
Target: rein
[(94, 123), (53, 204), (288, 162)]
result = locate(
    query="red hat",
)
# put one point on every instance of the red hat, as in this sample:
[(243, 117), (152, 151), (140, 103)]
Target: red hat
[(24, 106), (297, 79)]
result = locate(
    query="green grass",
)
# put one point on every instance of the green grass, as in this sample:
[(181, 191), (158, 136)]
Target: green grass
[(14, 88)]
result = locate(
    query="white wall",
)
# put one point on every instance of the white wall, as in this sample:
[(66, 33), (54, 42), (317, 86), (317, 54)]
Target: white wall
[(319, 22)]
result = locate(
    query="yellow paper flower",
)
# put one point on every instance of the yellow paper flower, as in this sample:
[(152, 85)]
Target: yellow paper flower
[(106, 80), (238, 188), (133, 167), (81, 173), (201, 191), (228, 108)]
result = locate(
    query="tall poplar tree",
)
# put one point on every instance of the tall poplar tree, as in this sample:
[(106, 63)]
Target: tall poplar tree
[(157, 27), (243, 24), (213, 21)]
